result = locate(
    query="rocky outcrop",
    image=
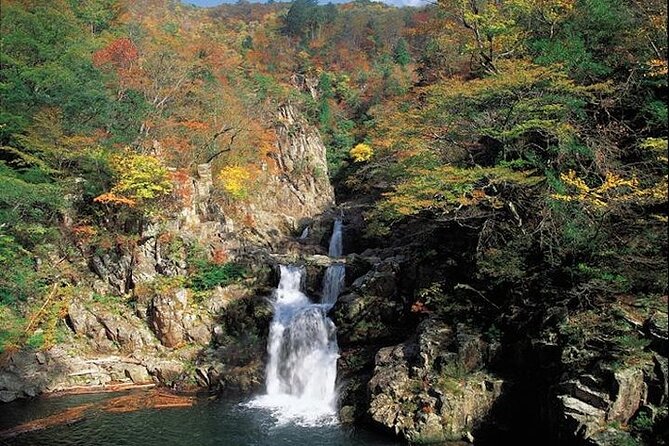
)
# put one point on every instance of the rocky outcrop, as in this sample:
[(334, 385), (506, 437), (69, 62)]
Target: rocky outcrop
[(27, 374), (175, 321), (432, 388), (109, 331), (297, 178), (234, 361), (585, 408), (373, 308)]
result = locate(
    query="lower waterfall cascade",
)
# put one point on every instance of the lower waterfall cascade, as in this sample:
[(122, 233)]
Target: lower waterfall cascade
[(302, 346)]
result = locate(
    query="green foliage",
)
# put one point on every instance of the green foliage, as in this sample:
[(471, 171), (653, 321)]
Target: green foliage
[(207, 275), (303, 18), (18, 278), (97, 14), (642, 424), (23, 201), (401, 54), (45, 64), (11, 327), (36, 340), (441, 190), (585, 38)]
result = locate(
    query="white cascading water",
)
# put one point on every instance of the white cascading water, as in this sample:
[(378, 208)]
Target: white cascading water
[(333, 281), (302, 347)]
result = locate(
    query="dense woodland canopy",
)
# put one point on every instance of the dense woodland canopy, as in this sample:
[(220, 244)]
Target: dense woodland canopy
[(537, 127)]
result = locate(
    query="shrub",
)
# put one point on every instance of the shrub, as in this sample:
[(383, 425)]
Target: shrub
[(210, 275), (361, 152)]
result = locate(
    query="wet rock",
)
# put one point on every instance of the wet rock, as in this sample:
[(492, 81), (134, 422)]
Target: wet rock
[(13, 387), (347, 414)]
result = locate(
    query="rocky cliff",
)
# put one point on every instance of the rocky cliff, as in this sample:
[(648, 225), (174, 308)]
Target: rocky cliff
[(428, 357), (138, 317)]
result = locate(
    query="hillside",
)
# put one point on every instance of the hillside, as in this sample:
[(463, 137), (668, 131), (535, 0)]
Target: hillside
[(500, 169)]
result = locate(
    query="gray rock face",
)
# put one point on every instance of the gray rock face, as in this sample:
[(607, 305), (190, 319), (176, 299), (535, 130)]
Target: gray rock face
[(629, 392), (298, 180), (585, 407), (657, 330), (373, 308), (115, 268), (107, 330), (27, 374), (175, 322), (426, 394)]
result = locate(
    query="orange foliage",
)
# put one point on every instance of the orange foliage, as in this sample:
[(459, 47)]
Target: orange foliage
[(121, 53), (195, 125), (84, 233), (219, 256), (183, 187), (113, 199)]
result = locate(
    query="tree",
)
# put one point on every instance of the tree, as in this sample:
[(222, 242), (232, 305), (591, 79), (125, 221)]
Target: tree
[(302, 18), (141, 179), (97, 14), (401, 54)]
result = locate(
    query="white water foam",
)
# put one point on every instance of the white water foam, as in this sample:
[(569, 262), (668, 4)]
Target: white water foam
[(302, 348)]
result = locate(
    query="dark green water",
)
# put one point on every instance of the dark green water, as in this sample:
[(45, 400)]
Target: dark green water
[(220, 423)]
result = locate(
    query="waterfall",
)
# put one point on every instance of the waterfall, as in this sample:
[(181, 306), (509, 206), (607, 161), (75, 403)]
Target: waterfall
[(302, 347), (333, 281), (335, 248)]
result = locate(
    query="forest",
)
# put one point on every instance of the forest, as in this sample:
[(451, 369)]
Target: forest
[(500, 168)]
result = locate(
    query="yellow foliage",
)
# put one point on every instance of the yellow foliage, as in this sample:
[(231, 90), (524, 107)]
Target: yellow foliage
[(658, 146), (235, 180), (141, 178), (613, 190), (361, 152), (657, 68), (447, 188)]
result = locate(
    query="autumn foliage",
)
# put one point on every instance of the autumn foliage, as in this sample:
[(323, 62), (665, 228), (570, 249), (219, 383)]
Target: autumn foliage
[(120, 53)]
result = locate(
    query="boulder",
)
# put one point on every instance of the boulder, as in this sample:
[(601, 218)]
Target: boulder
[(586, 406), (166, 315), (427, 393), (629, 392)]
